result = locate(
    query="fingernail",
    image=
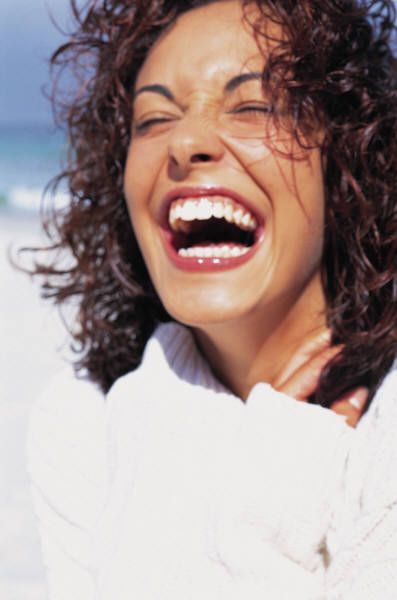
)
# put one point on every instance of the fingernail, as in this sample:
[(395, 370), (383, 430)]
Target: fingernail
[(359, 399), (325, 335)]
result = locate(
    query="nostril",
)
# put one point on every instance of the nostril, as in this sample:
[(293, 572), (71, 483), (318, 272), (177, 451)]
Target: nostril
[(201, 157)]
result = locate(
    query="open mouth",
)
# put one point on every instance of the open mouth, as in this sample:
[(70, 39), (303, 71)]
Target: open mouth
[(212, 227)]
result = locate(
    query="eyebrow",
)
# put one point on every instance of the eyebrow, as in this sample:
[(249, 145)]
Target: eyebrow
[(230, 86), (236, 81), (157, 89)]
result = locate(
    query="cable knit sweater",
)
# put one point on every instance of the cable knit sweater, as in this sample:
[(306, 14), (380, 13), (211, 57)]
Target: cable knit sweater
[(172, 488)]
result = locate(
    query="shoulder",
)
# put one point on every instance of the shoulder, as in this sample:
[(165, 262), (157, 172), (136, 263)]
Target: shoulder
[(364, 531), (67, 447), (384, 405), (65, 392), (70, 410), (375, 448), (379, 423)]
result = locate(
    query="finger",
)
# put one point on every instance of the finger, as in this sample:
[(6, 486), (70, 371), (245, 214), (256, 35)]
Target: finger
[(309, 349), (351, 405), (304, 382)]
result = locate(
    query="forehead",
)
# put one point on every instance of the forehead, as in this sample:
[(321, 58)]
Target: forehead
[(204, 46)]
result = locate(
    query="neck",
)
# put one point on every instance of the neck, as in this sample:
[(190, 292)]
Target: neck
[(257, 347)]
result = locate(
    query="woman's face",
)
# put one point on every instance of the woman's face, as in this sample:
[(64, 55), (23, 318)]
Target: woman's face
[(228, 227)]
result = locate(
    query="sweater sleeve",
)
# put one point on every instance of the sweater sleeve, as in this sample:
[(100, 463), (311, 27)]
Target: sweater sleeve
[(286, 474), (329, 496), (67, 467), (362, 542)]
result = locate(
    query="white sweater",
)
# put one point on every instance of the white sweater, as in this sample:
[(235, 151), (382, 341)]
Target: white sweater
[(172, 488)]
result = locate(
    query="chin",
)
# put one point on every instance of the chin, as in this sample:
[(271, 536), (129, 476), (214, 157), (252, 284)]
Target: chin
[(206, 310)]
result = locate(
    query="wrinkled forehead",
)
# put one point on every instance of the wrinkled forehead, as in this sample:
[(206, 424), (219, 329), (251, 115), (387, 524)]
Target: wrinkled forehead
[(206, 44)]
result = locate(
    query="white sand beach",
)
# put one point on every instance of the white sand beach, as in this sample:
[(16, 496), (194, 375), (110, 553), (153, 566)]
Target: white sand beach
[(33, 343)]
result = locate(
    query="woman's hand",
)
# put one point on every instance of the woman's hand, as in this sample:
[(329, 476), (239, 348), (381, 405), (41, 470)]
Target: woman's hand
[(301, 375)]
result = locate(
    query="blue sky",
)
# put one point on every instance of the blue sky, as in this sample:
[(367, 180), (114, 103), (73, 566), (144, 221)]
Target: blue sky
[(27, 38)]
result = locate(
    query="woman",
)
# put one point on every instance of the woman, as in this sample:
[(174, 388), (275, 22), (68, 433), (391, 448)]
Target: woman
[(233, 229)]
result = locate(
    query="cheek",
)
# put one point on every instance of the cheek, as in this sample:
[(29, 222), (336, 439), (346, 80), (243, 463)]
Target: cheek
[(248, 155), (295, 193), (140, 174), (294, 186)]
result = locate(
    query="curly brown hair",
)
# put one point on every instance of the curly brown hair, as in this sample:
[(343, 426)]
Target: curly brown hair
[(336, 69)]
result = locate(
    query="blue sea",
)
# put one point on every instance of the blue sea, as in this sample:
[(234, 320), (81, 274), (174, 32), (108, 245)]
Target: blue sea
[(30, 155)]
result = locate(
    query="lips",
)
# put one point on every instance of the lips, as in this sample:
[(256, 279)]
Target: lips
[(209, 228)]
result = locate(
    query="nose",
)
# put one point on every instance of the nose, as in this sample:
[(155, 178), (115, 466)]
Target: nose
[(194, 143)]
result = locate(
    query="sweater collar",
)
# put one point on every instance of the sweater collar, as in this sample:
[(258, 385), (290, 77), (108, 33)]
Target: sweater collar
[(173, 358), (174, 345)]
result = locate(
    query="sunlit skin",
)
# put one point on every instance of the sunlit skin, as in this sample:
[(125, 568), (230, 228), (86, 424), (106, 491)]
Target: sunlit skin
[(251, 321)]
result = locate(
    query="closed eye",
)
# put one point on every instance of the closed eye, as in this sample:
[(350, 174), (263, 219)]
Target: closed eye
[(254, 109), (145, 125)]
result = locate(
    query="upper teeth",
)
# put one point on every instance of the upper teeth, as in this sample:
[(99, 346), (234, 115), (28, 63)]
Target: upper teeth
[(189, 209)]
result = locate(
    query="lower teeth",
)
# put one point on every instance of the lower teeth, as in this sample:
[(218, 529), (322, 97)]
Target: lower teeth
[(213, 251)]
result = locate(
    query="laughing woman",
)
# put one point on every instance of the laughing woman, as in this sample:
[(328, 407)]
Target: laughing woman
[(230, 430)]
